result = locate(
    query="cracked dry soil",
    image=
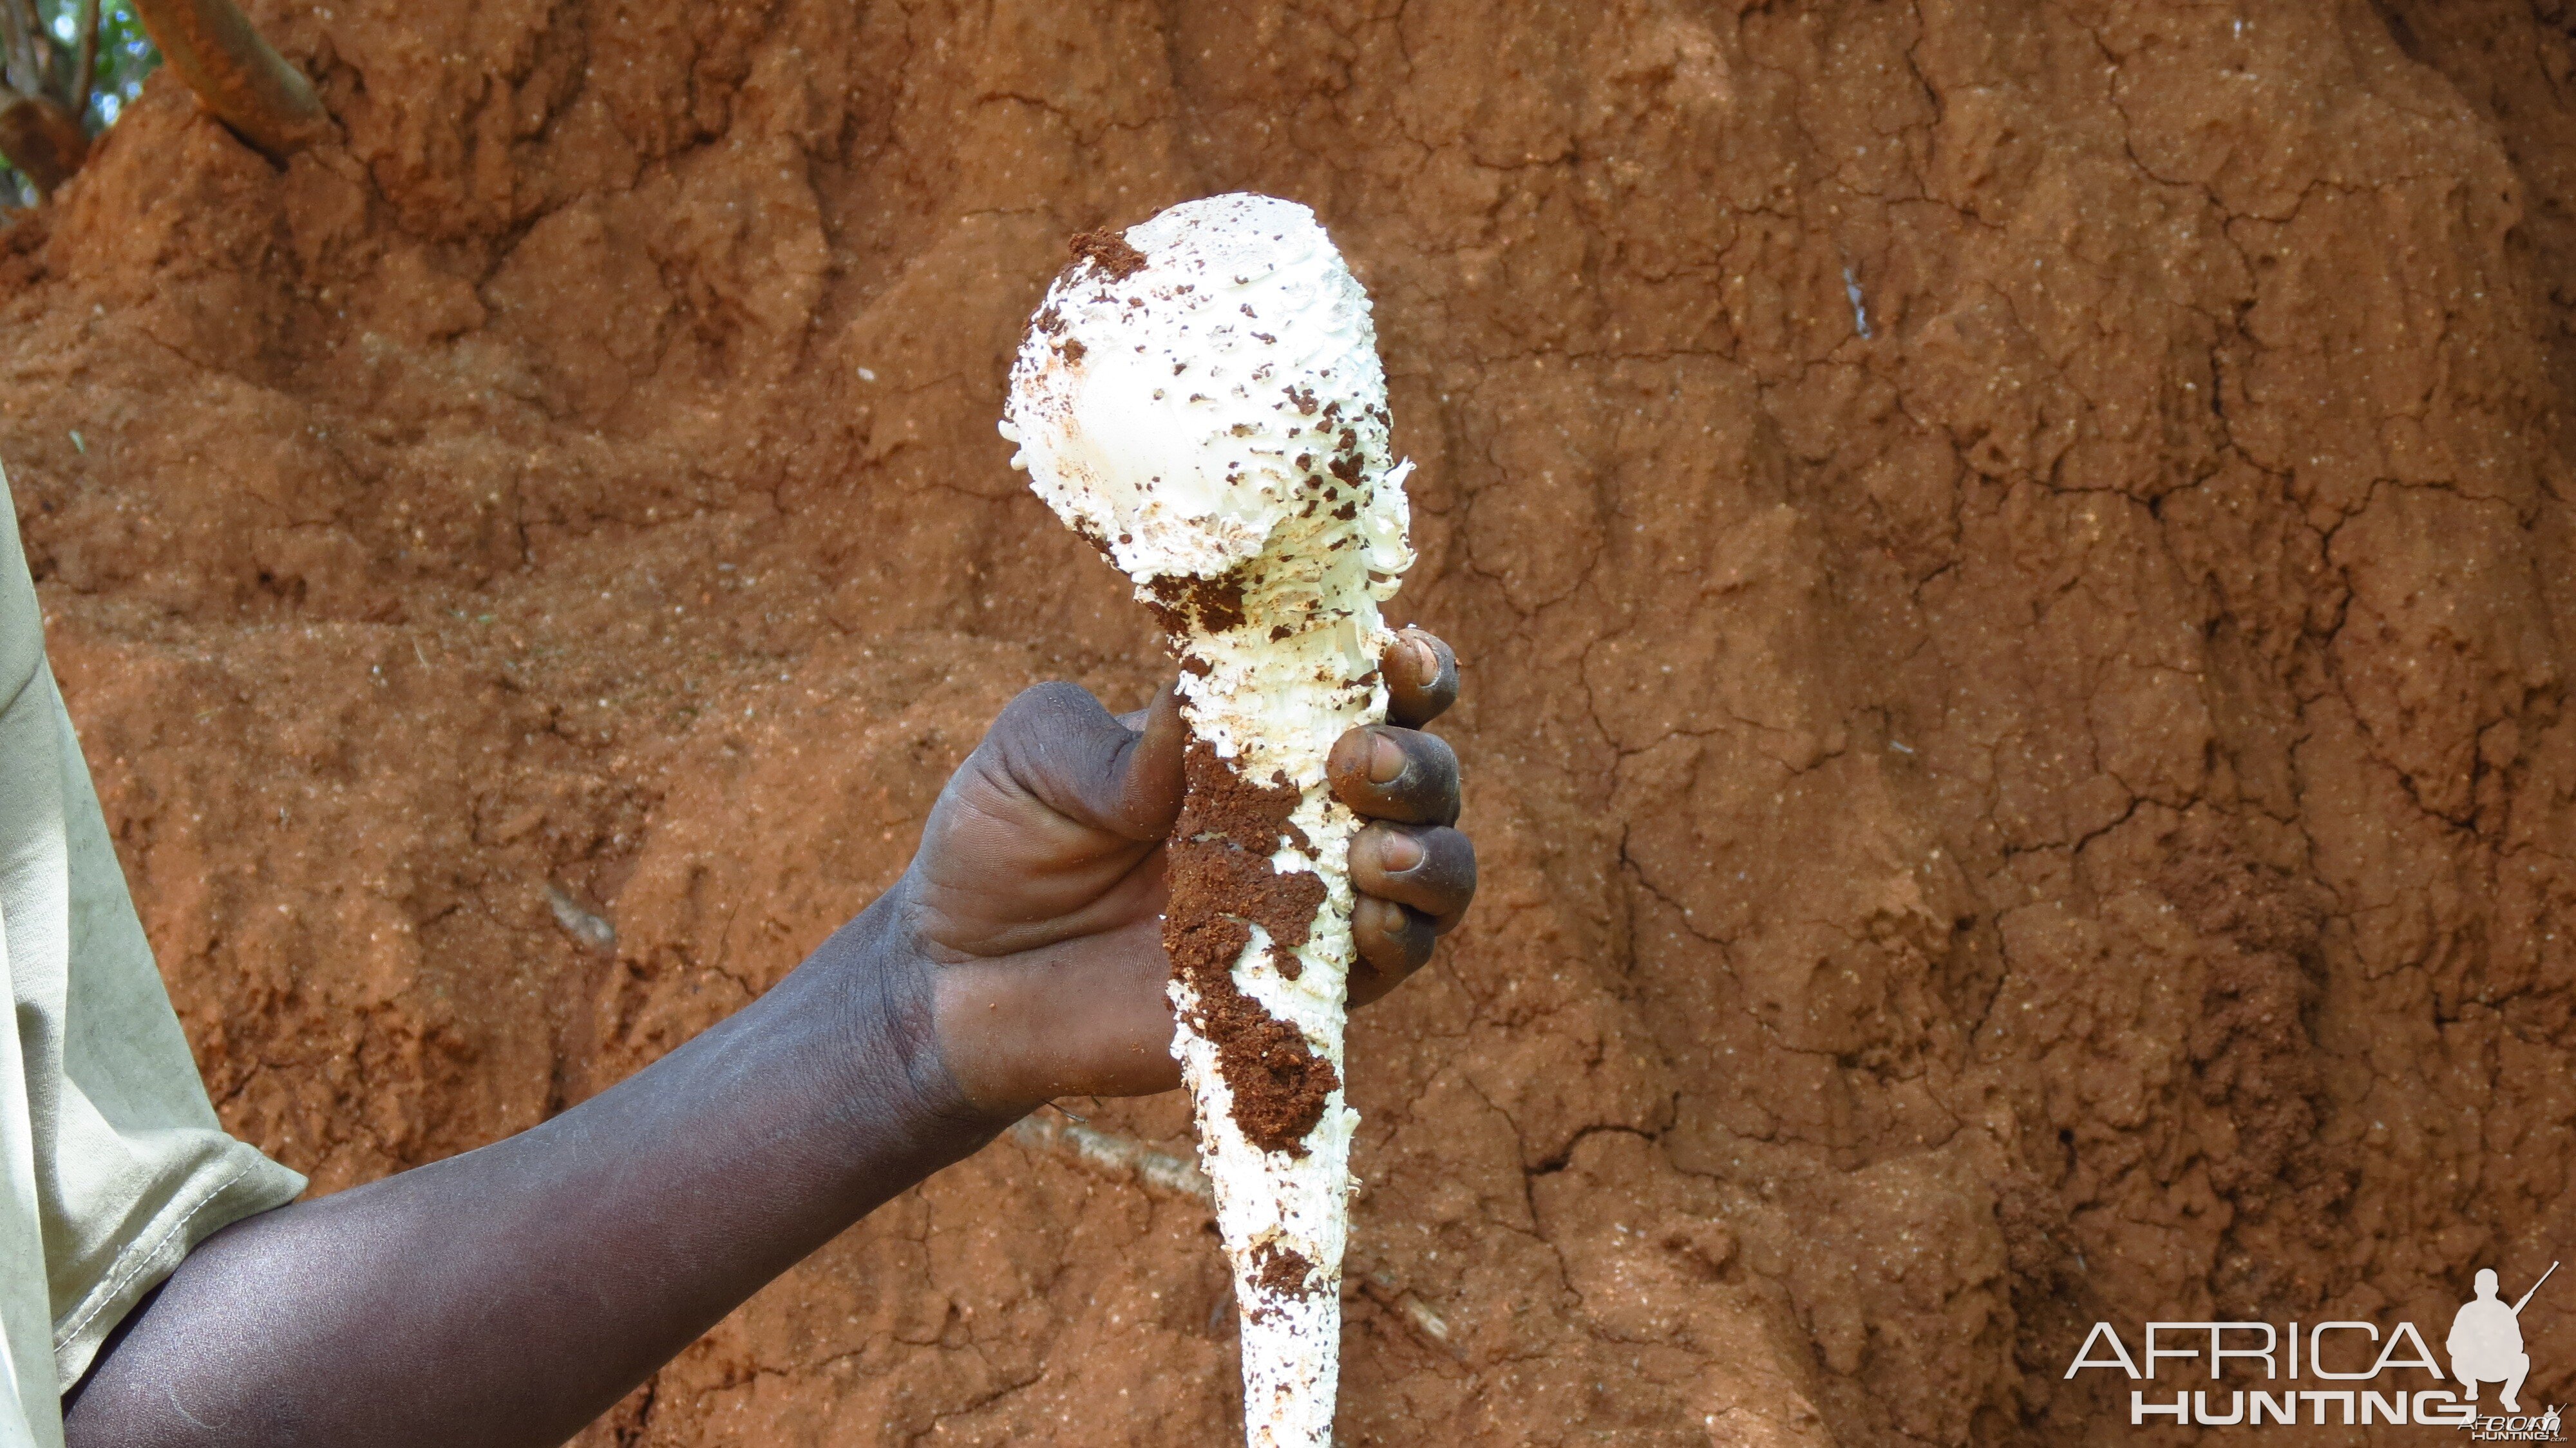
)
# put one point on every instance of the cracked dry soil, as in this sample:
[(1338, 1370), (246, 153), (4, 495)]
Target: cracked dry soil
[(2060, 807)]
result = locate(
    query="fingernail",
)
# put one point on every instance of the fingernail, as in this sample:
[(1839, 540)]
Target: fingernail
[(1426, 660), (1386, 759), (1398, 853)]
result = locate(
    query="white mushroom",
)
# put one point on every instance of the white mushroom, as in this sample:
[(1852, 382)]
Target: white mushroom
[(1202, 399)]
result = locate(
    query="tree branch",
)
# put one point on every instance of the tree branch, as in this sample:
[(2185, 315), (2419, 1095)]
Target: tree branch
[(235, 74), (20, 62), (85, 64)]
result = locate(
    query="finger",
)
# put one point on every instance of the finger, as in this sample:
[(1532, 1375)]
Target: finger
[(1429, 867), (1393, 942), (1421, 678), (1060, 745), (1164, 698), (1154, 769), (1387, 773)]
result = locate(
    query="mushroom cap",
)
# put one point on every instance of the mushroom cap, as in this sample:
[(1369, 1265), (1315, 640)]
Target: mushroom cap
[(1189, 387)]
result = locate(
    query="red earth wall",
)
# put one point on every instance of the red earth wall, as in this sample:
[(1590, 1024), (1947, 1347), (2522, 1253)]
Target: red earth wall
[(2012, 560)]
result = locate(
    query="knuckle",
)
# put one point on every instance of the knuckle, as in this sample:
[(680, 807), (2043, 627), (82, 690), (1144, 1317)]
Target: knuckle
[(1039, 707), (1434, 752), (1455, 856), (1421, 937), (1054, 694)]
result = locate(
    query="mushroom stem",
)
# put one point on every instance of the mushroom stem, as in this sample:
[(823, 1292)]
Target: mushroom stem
[(236, 75), (1201, 397)]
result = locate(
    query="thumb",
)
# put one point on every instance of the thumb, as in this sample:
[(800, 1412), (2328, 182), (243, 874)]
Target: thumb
[(1119, 775)]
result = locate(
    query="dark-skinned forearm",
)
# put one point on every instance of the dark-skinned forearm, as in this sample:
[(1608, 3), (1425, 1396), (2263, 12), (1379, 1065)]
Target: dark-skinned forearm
[(507, 1296)]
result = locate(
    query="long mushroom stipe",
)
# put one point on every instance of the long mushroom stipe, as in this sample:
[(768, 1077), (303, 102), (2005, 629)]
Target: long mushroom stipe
[(1201, 398)]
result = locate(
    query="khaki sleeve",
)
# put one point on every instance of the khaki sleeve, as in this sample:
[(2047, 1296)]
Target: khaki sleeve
[(110, 1153), (140, 1171)]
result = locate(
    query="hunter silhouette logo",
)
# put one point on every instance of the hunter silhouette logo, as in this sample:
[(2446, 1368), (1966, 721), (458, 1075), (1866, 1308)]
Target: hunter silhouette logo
[(2341, 1372), (2486, 1341)]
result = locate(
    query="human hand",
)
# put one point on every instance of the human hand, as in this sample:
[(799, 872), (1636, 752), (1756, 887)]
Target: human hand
[(1035, 902), (574, 1258)]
